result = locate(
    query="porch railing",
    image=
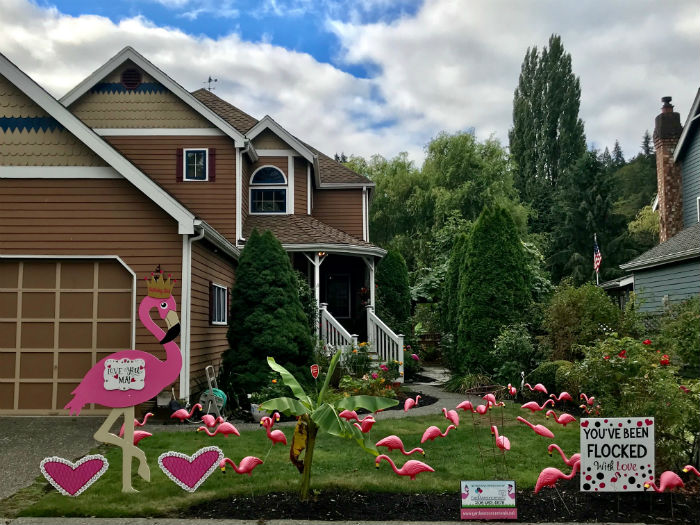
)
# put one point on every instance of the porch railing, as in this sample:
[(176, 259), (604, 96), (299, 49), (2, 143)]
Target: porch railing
[(387, 344), (334, 333)]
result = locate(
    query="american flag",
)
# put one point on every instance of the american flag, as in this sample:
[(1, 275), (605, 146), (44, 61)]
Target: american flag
[(597, 257)]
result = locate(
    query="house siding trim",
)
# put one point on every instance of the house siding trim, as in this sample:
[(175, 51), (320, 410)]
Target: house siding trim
[(167, 132), (59, 172)]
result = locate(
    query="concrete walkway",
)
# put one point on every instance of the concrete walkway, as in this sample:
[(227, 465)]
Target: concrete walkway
[(168, 521)]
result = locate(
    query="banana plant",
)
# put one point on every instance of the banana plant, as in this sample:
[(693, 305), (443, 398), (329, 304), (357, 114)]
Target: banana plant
[(318, 415)]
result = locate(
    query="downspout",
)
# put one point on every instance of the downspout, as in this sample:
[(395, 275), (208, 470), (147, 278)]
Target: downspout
[(187, 309)]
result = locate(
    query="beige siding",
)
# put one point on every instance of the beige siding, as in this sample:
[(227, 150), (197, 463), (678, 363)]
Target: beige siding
[(213, 201), (208, 342), (35, 146), (268, 140), (87, 218), (247, 171), (341, 209), (135, 109), (300, 186)]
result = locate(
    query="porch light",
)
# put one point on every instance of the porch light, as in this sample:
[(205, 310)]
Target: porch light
[(322, 254)]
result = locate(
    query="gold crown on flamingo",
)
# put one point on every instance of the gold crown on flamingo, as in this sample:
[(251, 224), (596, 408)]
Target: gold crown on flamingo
[(160, 287)]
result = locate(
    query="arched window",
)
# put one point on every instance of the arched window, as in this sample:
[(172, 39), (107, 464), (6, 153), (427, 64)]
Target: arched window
[(268, 191)]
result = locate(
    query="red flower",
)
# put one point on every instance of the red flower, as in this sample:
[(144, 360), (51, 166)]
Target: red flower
[(606, 357), (622, 354), (646, 342), (664, 360)]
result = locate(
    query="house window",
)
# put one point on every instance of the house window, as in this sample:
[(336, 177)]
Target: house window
[(268, 191), (338, 294), (195, 167), (218, 304)]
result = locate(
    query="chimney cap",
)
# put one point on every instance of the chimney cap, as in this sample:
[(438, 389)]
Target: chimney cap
[(666, 100)]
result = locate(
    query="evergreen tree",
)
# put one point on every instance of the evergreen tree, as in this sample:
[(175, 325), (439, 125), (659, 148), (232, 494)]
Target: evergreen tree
[(393, 293), (606, 159), (647, 145), (547, 135), (618, 159), (266, 319), (494, 288), (450, 296)]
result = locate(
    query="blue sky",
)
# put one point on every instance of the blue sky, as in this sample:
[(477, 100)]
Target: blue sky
[(371, 77)]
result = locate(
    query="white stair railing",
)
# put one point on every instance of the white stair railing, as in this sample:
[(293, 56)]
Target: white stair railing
[(387, 344), (334, 333)]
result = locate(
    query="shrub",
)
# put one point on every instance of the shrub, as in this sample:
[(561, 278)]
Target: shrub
[(631, 379), (546, 374), (357, 361), (680, 335), (393, 293), (514, 351), (367, 386), (462, 384), (566, 379), (578, 316), (308, 301), (411, 367)]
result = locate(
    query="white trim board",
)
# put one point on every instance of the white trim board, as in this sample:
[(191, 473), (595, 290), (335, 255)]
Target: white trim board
[(276, 153), (159, 132), (59, 172), (129, 53), (268, 122)]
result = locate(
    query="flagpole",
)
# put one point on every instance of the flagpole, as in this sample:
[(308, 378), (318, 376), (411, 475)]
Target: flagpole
[(597, 275)]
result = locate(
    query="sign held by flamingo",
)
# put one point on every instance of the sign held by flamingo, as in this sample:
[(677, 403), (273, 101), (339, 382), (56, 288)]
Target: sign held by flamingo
[(488, 500)]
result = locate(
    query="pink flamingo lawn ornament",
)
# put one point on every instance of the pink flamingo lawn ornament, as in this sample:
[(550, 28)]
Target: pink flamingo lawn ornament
[(433, 432), (182, 414), (160, 374), (563, 419), (366, 424), (394, 443), (667, 481), (549, 476), (595, 410), (410, 403), (138, 435), (276, 436), (466, 406), (538, 429), (225, 429), (691, 468), (490, 398), (350, 415), (539, 387), (411, 468), (569, 461), (210, 422), (533, 407), (512, 390), (564, 396), (481, 409), (246, 465), (270, 420), (137, 423), (589, 400), (452, 415), (502, 442)]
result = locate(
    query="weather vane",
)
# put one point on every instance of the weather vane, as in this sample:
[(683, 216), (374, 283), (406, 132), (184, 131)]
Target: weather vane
[(209, 82)]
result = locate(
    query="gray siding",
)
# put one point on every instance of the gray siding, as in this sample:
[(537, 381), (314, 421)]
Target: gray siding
[(690, 169), (678, 281)]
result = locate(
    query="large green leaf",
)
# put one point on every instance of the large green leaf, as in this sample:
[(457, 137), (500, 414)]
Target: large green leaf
[(329, 374), (328, 421), (363, 440), (289, 380), (286, 405), (371, 403)]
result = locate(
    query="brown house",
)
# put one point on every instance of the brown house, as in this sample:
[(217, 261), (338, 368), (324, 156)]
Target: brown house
[(129, 171)]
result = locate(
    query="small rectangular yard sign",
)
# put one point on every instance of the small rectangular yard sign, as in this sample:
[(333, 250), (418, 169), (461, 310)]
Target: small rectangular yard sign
[(617, 454), (488, 500)]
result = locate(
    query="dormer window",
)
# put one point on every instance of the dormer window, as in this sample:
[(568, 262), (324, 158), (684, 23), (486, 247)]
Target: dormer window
[(268, 191)]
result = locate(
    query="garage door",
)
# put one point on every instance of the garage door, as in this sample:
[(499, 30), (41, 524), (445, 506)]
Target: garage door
[(58, 317)]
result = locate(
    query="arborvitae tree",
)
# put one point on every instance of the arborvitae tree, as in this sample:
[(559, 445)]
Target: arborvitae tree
[(547, 135), (494, 288), (393, 293), (450, 296), (266, 319)]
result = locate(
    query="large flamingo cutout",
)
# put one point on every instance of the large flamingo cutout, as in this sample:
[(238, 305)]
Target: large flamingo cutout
[(246, 465), (411, 468), (410, 403), (538, 429), (433, 432), (226, 429), (563, 419), (549, 476), (502, 442), (691, 468), (276, 436), (533, 407), (452, 415), (667, 481), (160, 375), (394, 443), (564, 396), (569, 461), (539, 387), (182, 414)]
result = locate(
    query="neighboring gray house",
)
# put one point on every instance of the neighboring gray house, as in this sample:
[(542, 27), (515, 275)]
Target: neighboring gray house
[(670, 272)]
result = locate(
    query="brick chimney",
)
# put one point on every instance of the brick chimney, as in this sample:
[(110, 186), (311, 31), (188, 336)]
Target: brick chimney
[(667, 131)]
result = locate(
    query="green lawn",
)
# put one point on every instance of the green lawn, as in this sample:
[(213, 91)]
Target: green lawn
[(467, 453)]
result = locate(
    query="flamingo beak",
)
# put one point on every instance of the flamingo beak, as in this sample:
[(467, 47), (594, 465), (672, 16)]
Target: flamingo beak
[(376, 465), (685, 470), (173, 323)]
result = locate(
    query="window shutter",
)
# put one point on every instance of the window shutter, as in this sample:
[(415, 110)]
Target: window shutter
[(212, 164), (178, 166), (212, 298)]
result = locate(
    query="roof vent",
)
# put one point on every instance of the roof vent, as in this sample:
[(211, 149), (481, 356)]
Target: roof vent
[(131, 78)]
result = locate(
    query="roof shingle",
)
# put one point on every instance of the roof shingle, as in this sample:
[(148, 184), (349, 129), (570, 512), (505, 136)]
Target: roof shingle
[(684, 245)]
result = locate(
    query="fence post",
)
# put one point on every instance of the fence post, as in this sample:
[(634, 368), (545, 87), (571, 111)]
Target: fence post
[(402, 357), (370, 332), (322, 322)]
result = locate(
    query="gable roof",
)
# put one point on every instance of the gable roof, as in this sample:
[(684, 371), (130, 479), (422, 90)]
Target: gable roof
[(684, 245), (691, 122), (129, 53), (305, 233), (234, 116), (87, 136)]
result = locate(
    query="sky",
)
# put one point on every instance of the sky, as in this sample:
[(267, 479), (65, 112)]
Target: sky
[(368, 77)]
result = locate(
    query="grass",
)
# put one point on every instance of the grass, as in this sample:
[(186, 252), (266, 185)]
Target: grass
[(467, 453)]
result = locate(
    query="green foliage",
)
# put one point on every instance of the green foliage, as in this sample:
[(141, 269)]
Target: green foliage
[(546, 374), (629, 380), (514, 352), (566, 379), (266, 318), (450, 296), (411, 367), (490, 295), (357, 361), (393, 294), (367, 386), (578, 316), (308, 301), (680, 335), (547, 135), (644, 229)]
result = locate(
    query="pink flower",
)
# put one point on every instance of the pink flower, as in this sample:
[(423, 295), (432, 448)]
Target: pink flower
[(374, 375), (415, 357), (646, 342), (384, 367)]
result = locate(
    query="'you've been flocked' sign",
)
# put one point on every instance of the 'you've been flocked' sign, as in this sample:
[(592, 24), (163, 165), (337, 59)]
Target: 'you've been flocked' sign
[(124, 374), (617, 454)]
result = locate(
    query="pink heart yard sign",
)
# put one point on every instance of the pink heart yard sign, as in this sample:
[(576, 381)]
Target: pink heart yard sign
[(71, 479), (189, 472)]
